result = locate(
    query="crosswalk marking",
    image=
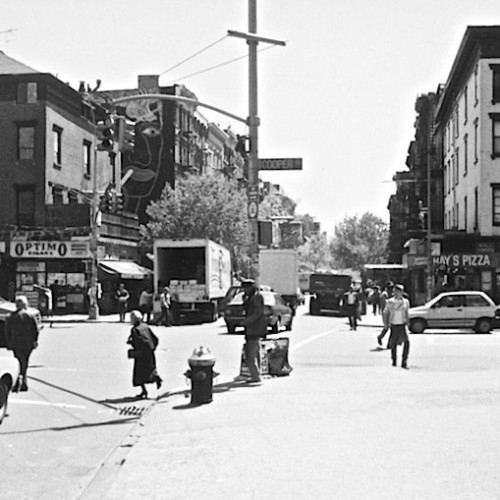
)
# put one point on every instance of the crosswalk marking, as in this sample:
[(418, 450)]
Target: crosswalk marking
[(45, 403)]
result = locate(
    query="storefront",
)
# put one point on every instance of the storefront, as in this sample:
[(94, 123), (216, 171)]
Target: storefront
[(58, 265)]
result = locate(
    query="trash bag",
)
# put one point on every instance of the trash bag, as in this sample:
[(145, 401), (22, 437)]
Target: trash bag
[(277, 359)]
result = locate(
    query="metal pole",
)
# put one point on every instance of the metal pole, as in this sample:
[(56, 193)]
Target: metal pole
[(253, 123), (430, 278), (94, 238)]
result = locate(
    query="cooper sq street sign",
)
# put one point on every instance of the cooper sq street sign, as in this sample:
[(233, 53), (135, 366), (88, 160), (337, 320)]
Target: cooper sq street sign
[(280, 164)]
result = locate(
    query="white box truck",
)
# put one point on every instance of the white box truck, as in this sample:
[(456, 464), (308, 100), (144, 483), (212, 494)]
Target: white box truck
[(279, 269), (198, 273)]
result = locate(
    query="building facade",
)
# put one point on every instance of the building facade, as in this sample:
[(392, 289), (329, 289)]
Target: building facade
[(50, 170)]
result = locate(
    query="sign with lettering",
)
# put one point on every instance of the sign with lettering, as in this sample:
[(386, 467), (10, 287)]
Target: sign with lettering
[(280, 164), (462, 260), (49, 249)]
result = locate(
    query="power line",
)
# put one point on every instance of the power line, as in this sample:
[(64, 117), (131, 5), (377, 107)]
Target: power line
[(219, 65), (194, 55)]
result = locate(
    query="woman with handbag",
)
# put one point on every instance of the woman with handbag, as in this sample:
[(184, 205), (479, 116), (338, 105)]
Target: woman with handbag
[(143, 342)]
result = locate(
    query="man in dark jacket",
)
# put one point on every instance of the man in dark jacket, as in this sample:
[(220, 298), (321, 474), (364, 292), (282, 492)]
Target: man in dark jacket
[(255, 324), (21, 334)]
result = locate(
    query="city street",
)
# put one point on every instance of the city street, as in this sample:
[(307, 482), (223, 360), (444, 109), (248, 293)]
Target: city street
[(344, 424)]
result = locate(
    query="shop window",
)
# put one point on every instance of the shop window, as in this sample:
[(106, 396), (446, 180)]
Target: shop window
[(495, 129)]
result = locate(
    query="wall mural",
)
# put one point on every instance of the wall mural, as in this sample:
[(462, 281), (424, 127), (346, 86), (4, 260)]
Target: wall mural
[(149, 158)]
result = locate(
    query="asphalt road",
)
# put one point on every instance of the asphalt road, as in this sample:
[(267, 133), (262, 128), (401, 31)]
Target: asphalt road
[(345, 424)]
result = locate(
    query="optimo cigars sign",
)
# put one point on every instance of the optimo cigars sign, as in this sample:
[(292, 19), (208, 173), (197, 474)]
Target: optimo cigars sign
[(49, 249)]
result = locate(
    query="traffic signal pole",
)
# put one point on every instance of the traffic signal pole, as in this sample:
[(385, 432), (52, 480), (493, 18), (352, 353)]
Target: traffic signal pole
[(253, 122), (94, 238)]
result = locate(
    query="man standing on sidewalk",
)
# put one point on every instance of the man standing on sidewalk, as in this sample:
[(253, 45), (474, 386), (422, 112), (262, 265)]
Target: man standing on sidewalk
[(396, 318), (351, 304), (21, 334), (255, 324)]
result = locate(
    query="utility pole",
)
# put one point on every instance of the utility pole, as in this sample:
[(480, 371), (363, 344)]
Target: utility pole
[(429, 269), (94, 238), (253, 123)]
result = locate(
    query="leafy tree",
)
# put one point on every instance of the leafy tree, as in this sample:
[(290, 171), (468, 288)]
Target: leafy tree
[(359, 241), (202, 206), (276, 205), (315, 253)]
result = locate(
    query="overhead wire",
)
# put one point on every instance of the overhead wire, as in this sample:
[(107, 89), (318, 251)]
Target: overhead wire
[(219, 65), (194, 55)]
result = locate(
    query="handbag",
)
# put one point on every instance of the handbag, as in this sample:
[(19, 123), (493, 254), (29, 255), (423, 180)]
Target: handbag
[(134, 353)]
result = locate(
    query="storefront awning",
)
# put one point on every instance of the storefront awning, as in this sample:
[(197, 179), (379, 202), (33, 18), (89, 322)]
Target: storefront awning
[(127, 270)]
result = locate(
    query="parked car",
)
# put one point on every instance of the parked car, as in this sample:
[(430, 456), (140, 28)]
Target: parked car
[(278, 313), (463, 309), (9, 371), (6, 307), (232, 291)]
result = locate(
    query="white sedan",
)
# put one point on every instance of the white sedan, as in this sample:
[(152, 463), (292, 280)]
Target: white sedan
[(463, 309), (9, 371)]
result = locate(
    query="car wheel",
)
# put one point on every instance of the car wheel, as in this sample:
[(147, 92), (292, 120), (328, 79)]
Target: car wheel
[(417, 325), (276, 327), (313, 307), (4, 394), (483, 325)]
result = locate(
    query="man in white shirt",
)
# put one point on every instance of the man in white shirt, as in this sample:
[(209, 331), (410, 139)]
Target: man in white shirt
[(397, 320)]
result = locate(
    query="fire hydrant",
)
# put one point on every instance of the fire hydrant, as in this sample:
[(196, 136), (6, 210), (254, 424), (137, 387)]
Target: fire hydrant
[(201, 373)]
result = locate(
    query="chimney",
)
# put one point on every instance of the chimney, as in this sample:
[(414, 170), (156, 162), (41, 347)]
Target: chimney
[(148, 82)]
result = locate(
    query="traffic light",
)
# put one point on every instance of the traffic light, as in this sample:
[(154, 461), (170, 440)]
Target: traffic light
[(126, 134), (108, 201), (119, 203), (105, 134)]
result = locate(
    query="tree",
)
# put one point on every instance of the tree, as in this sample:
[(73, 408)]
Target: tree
[(315, 253), (276, 205), (359, 241), (202, 206)]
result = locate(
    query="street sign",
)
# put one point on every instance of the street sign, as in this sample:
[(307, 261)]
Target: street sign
[(253, 193), (252, 210), (280, 164)]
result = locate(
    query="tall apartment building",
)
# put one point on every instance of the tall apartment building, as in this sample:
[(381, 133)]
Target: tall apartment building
[(467, 122)]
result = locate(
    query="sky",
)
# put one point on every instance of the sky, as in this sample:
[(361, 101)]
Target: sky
[(340, 95)]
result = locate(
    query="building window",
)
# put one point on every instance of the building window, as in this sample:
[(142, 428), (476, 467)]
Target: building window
[(457, 166), (72, 197), (466, 154), (495, 68), (465, 213), (476, 210), (466, 105), (25, 205), (496, 138), (57, 137), (456, 123), (87, 158), (57, 196), (26, 143), (476, 84), (496, 204), (27, 93), (476, 121)]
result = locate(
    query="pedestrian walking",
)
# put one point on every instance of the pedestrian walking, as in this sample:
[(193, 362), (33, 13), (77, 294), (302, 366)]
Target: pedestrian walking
[(255, 324), (396, 319), (375, 300), (21, 334), (166, 307), (144, 343), (122, 296), (386, 294), (350, 302), (146, 304)]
